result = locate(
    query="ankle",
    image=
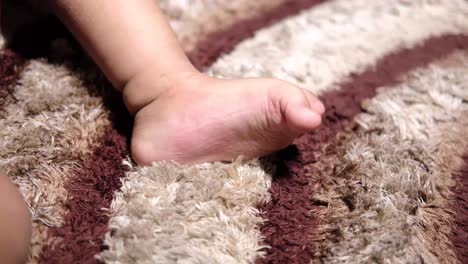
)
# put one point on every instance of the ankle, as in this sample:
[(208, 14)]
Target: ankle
[(147, 86)]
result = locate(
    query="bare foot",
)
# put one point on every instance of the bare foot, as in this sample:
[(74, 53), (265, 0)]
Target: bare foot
[(199, 119)]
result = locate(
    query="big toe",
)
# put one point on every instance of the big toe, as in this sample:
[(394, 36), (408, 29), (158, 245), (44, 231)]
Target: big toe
[(302, 118), (300, 108)]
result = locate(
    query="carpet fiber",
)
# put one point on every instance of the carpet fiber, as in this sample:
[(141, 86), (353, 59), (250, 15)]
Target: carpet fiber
[(384, 180)]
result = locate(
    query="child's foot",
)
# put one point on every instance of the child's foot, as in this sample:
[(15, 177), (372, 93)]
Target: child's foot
[(197, 118)]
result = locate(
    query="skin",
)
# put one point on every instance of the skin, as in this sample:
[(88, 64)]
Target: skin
[(125, 38), (15, 224)]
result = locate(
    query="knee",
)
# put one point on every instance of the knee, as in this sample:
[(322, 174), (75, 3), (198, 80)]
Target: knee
[(15, 224)]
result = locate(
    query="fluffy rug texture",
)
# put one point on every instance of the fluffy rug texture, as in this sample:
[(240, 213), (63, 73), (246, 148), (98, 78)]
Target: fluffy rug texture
[(384, 180)]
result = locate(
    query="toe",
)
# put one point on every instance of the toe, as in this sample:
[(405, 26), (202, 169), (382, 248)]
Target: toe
[(313, 101), (317, 106), (302, 119), (299, 107), (302, 95)]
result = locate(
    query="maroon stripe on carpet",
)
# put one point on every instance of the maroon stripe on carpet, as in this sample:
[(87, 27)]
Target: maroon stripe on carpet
[(460, 209), (90, 190), (217, 43), (290, 225), (11, 66)]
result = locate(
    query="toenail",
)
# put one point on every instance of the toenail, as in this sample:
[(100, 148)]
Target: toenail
[(319, 107)]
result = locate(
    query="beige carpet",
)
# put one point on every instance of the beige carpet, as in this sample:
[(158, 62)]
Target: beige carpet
[(384, 180)]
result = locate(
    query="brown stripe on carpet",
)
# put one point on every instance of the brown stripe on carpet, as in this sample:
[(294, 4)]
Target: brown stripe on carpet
[(290, 217), (93, 184), (460, 208), (215, 44), (11, 65), (90, 190)]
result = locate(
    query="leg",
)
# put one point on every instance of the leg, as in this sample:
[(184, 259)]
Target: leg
[(15, 224), (181, 114)]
